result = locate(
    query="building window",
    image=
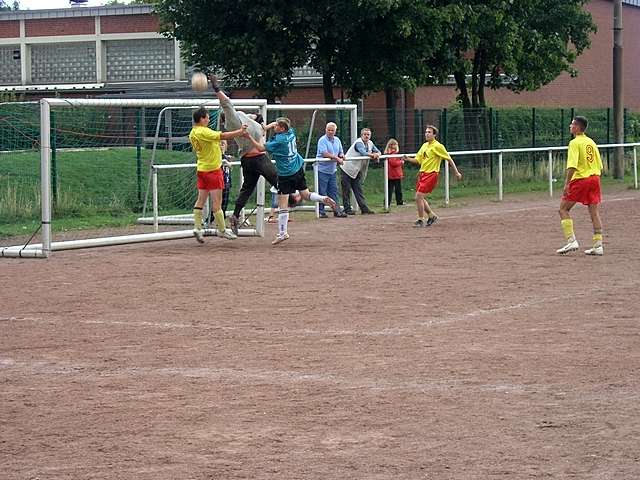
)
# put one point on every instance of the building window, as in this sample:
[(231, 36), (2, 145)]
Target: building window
[(63, 63), (9, 65), (140, 60)]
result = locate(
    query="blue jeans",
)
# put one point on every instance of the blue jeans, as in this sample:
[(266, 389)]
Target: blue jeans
[(327, 185)]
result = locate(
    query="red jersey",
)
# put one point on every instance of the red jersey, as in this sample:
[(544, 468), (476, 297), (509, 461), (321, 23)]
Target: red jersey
[(395, 168)]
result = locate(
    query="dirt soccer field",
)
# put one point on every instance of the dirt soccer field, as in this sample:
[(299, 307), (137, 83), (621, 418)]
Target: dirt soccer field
[(361, 348)]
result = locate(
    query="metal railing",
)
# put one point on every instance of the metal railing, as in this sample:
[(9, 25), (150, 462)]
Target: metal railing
[(500, 153)]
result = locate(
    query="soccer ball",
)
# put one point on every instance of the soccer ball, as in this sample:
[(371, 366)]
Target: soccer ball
[(199, 82)]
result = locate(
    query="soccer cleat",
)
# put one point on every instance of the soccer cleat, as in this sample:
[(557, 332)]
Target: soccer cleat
[(569, 247), (228, 234), (431, 220), (595, 251), (349, 211), (419, 223), (280, 239), (199, 234), (233, 223)]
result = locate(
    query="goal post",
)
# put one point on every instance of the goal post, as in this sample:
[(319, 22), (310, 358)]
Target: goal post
[(76, 167), (47, 105)]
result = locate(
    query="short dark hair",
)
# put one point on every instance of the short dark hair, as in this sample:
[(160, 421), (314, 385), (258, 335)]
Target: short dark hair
[(259, 119), (199, 114), (582, 121)]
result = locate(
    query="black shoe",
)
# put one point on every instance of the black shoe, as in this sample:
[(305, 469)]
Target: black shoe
[(401, 203), (368, 212), (349, 212), (431, 220), (323, 215), (418, 223), (340, 214), (234, 222)]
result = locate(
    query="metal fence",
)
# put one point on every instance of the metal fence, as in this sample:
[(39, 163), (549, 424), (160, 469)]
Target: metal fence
[(493, 128)]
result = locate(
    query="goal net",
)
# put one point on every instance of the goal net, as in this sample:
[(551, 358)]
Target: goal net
[(74, 173), (78, 173)]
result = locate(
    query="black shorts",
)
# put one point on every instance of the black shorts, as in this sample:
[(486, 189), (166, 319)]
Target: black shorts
[(291, 183)]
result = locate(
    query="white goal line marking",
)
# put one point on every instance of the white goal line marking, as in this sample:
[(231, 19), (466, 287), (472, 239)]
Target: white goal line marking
[(252, 376)]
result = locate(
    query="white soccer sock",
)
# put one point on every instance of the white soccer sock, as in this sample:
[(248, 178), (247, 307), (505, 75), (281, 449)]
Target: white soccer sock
[(283, 219), (315, 197)]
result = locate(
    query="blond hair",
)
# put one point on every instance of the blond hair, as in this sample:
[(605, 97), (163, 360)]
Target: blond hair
[(283, 122), (392, 141)]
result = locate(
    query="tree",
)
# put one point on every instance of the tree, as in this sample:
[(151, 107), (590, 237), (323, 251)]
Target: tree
[(377, 44), (5, 5), (256, 43), (361, 46), (519, 45)]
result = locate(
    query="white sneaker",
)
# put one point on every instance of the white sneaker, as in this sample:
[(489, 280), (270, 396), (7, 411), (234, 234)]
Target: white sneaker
[(228, 234), (199, 234), (569, 247), (280, 239), (595, 251)]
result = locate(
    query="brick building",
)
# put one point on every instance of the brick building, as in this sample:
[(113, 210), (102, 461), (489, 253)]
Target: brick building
[(101, 49), (118, 49)]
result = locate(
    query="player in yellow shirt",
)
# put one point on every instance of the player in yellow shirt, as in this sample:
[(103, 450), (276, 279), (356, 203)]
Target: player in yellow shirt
[(206, 145), (582, 184), (429, 157)]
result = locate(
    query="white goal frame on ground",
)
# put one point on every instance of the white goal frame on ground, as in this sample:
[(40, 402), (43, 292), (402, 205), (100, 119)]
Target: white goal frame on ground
[(152, 184), (44, 249)]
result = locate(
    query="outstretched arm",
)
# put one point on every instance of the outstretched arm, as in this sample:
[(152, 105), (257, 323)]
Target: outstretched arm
[(409, 159), (233, 134), (232, 119)]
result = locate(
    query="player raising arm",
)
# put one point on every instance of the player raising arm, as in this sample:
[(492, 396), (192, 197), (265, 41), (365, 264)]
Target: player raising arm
[(210, 178), (290, 167)]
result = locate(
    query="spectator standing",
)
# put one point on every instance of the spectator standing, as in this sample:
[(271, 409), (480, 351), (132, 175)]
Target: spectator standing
[(354, 171), (395, 171), (329, 148)]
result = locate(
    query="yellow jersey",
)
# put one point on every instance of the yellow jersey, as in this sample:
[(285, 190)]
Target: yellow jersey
[(206, 145), (584, 157), (430, 156)]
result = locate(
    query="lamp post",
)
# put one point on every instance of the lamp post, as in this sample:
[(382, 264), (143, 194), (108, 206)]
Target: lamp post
[(618, 103)]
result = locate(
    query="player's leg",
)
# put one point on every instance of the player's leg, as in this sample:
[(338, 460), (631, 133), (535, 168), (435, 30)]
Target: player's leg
[(594, 212), (567, 227), (420, 206), (197, 214), (267, 169), (218, 215), (250, 180), (431, 215), (299, 182)]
